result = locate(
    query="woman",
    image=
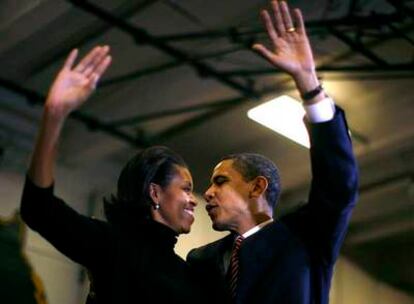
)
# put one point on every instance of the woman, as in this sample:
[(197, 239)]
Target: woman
[(131, 257)]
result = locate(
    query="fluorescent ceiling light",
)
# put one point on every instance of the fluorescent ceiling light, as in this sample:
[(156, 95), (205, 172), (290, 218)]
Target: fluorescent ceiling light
[(284, 115)]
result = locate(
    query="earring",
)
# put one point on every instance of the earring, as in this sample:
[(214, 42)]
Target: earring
[(156, 206)]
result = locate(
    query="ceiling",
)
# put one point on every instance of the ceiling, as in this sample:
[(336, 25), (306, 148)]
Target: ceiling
[(183, 76)]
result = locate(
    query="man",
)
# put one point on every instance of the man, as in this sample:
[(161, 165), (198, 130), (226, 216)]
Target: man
[(288, 260)]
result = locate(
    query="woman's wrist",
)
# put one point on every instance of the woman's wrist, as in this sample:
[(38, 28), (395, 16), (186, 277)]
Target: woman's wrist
[(54, 112)]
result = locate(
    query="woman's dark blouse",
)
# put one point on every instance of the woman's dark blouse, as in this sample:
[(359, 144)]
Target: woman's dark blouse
[(133, 262)]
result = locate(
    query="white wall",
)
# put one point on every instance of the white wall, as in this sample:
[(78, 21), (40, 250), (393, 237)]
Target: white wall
[(60, 276), (351, 285)]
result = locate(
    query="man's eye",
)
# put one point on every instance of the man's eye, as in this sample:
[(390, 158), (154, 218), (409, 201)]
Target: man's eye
[(219, 181)]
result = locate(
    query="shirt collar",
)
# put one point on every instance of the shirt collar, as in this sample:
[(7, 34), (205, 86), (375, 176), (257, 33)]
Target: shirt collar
[(256, 228)]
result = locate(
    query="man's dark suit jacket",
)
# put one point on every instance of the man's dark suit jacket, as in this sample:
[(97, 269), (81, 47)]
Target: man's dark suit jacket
[(291, 260)]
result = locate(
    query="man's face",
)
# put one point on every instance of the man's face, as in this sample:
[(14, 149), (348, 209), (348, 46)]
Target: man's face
[(228, 198)]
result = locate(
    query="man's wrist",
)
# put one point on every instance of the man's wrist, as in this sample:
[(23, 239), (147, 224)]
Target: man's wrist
[(306, 83)]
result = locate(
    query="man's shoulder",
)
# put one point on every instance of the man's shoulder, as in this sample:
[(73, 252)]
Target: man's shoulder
[(208, 250)]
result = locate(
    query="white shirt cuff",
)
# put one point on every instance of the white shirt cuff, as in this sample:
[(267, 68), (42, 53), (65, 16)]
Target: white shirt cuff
[(321, 111)]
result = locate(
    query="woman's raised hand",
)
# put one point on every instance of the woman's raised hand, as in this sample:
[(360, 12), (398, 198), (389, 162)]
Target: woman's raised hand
[(73, 85)]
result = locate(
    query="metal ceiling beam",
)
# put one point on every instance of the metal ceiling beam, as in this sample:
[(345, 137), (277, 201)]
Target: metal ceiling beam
[(401, 33), (368, 77), (370, 21), (184, 12), (391, 225), (357, 47), (352, 7), (91, 122), (173, 112), (401, 8), (370, 44), (197, 120), (142, 36), (87, 34), (166, 66), (405, 67)]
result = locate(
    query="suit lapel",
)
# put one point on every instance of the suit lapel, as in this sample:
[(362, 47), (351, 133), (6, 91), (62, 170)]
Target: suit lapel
[(223, 247)]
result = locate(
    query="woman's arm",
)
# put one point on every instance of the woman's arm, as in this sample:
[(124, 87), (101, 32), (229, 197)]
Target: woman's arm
[(81, 238), (70, 89)]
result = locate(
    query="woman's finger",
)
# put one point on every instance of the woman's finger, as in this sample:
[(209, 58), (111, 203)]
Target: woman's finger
[(83, 64), (70, 59), (101, 68), (96, 61)]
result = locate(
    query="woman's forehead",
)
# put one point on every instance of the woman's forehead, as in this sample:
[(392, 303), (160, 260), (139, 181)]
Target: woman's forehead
[(184, 174)]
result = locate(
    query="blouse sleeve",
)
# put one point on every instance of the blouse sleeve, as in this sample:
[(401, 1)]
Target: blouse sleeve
[(82, 239)]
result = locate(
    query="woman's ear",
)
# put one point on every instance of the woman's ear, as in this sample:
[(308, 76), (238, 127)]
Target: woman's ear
[(155, 193), (259, 188)]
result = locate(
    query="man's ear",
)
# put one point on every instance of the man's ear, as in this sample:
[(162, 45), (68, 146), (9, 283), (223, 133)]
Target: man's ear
[(260, 185), (155, 193)]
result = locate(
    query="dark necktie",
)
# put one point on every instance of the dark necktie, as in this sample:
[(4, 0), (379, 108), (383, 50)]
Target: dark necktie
[(234, 266)]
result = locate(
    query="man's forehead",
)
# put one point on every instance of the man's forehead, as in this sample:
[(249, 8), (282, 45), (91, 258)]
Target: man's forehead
[(223, 167)]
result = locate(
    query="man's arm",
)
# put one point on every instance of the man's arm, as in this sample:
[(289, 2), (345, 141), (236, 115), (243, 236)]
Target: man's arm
[(322, 223)]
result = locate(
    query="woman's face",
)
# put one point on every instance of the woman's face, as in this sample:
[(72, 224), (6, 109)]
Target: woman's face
[(176, 202)]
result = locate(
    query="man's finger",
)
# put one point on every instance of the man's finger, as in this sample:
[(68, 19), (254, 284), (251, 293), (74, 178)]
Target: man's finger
[(70, 60), (267, 22), (299, 23), (280, 26), (287, 20), (263, 51)]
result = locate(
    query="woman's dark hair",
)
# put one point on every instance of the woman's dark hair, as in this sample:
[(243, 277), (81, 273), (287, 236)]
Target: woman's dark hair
[(152, 165)]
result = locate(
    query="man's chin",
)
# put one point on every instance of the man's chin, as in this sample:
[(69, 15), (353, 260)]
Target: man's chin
[(219, 227)]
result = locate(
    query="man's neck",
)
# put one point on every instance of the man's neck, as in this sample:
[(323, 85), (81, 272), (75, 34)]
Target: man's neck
[(257, 221)]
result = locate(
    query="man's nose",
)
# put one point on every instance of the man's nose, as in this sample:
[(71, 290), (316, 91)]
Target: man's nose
[(208, 195)]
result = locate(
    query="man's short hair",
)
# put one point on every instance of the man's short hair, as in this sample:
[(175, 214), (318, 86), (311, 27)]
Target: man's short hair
[(252, 165)]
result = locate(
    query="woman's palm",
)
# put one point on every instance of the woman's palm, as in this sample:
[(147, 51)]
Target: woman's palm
[(73, 86)]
